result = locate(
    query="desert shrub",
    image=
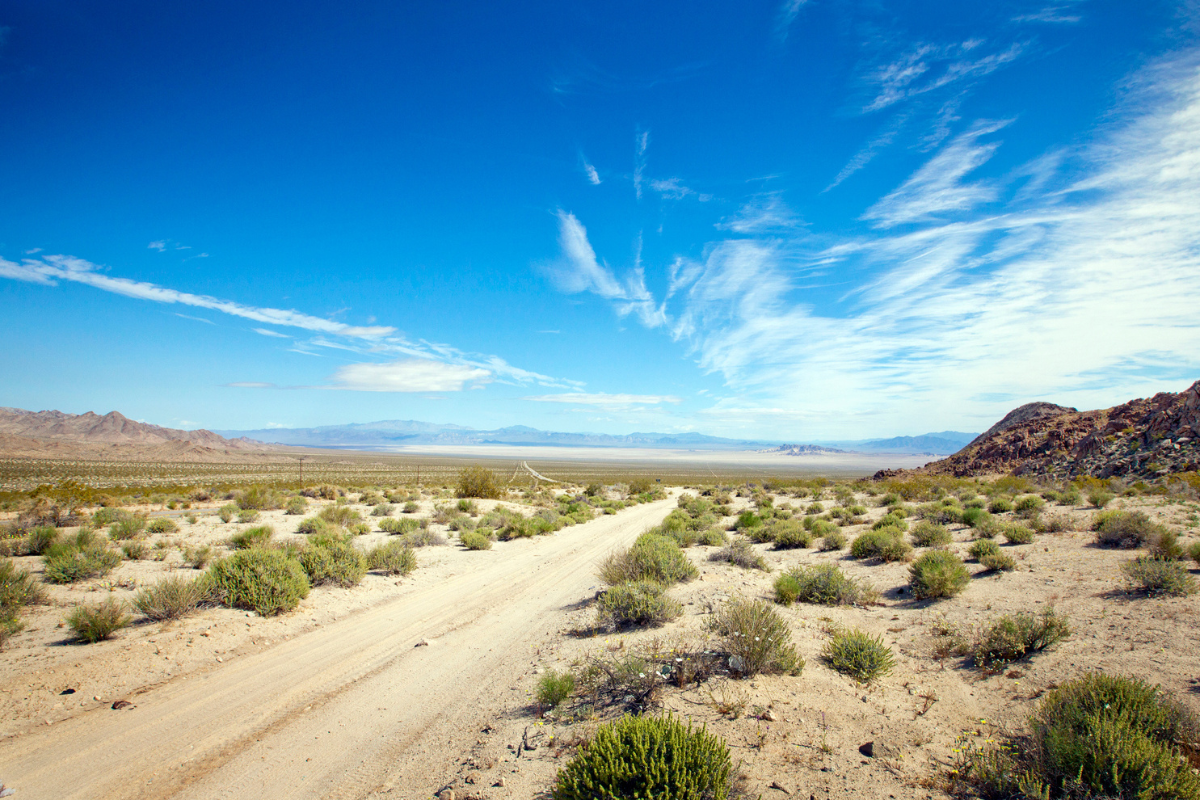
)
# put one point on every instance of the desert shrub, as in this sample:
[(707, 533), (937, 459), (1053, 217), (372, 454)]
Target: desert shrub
[(747, 520), (252, 537), (937, 573), (411, 507), (713, 537), (1017, 534), (1014, 636), (99, 622), (227, 512), (636, 603), (742, 554), (468, 506), (39, 539), (885, 544), (998, 562), (296, 506), (171, 598), (999, 505), (327, 559), (1127, 529), (316, 525), (1166, 547), (981, 548), (402, 525), (161, 525), (858, 654), (930, 534), (134, 549), (834, 540), (824, 584), (647, 757), (890, 520), (1193, 552), (247, 515), (265, 581), (1029, 506), (473, 540), (756, 638), (78, 558), (1112, 736), (555, 687), (761, 534), (815, 508), (257, 498), (792, 536), (1153, 576), (478, 482), (359, 529), (423, 538), (197, 557), (652, 557), (383, 510), (340, 515), (127, 527), (17, 589), (1098, 498), (975, 517), (392, 558)]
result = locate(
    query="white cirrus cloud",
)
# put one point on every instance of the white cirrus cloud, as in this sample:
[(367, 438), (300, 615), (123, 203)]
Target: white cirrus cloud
[(267, 332), (409, 375)]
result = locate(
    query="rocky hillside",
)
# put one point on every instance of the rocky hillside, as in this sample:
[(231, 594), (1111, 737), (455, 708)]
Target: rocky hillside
[(53, 434), (1143, 438)]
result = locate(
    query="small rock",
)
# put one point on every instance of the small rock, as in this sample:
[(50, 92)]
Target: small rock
[(446, 794), (67, 691), (879, 750), (423, 643), (120, 704), (499, 782), (779, 786), (768, 716)]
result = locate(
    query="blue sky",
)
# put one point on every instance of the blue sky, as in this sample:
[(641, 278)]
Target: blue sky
[(789, 220)]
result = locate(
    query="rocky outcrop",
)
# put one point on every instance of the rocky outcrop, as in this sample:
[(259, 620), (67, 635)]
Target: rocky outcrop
[(1144, 438)]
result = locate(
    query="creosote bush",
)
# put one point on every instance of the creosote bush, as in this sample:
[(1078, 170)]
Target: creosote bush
[(937, 573), (647, 757), (161, 525), (1127, 529), (99, 622), (636, 603), (742, 554), (652, 557), (756, 638), (1014, 636), (834, 540), (930, 534), (478, 482), (998, 562), (1016, 534), (858, 654), (267, 582), (885, 544), (392, 558), (555, 687), (982, 548), (171, 598), (252, 537), (824, 584), (77, 558), (296, 506), (332, 559), (1154, 576), (474, 540)]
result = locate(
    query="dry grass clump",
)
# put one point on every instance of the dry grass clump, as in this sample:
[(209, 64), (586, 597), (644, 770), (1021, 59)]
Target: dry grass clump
[(998, 562), (99, 622), (636, 603), (171, 598), (756, 638), (824, 584), (937, 573), (858, 654), (17, 589), (1155, 576), (742, 554), (392, 558)]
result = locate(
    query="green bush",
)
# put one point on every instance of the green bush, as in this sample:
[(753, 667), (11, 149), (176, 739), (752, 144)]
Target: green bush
[(134, 550), (929, 534), (937, 573), (974, 517), (982, 548), (411, 507), (890, 521), (296, 506), (1153, 576), (652, 557), (265, 581), (402, 525), (1127, 529), (636, 603), (714, 537), (833, 540), (339, 515), (478, 482), (247, 515), (17, 589), (1098, 499), (1017, 534), (161, 525), (555, 687), (747, 520), (171, 598), (742, 554), (383, 510), (885, 544), (1166, 547), (252, 537), (999, 505), (392, 558), (756, 638), (99, 622), (1014, 636), (39, 539), (1112, 736), (227, 512), (127, 527), (317, 525), (327, 559), (78, 558), (792, 536), (858, 654), (1193, 552), (647, 757), (998, 562), (197, 557), (473, 540), (824, 584), (1029, 506), (423, 538)]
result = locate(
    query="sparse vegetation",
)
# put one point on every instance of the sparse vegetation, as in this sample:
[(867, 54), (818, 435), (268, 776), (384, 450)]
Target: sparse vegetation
[(756, 638), (652, 557), (555, 687), (1014, 636), (173, 597), (998, 562), (650, 757), (858, 654), (742, 554), (99, 622), (392, 558), (636, 603), (161, 525), (1154, 576), (78, 558), (17, 589), (473, 540)]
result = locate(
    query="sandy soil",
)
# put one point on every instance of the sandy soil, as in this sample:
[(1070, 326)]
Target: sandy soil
[(341, 699)]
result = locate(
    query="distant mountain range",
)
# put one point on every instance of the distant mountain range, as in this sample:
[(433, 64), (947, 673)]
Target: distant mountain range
[(392, 433)]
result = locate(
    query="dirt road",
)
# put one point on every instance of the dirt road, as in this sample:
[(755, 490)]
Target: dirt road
[(343, 711)]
